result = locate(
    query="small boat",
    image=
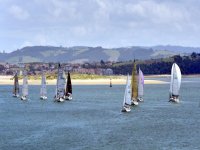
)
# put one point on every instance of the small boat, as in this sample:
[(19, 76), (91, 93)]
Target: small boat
[(43, 89), (134, 86), (60, 86), (175, 83), (140, 86), (68, 89), (16, 86), (127, 97), (24, 86), (110, 82)]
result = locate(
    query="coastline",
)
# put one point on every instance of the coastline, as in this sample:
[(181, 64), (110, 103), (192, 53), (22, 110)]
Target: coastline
[(7, 80)]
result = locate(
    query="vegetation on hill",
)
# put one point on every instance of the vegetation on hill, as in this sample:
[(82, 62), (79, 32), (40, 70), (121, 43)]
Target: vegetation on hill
[(188, 65)]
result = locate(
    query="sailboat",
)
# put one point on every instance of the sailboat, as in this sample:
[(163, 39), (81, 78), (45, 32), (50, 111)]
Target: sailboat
[(127, 96), (24, 86), (134, 85), (16, 86), (110, 82), (175, 83), (60, 86), (140, 86), (68, 89), (43, 89)]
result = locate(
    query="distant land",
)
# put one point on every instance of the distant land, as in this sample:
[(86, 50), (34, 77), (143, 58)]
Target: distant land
[(81, 54)]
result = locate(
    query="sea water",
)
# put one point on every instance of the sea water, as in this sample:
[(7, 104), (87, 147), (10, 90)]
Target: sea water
[(93, 119)]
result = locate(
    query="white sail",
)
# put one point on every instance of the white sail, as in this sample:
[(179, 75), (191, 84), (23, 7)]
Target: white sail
[(60, 87), (43, 90), (127, 94), (25, 84), (175, 80), (140, 84)]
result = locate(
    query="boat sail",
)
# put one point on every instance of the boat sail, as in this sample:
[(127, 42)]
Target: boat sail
[(140, 85), (127, 96), (68, 89), (60, 86), (110, 82), (175, 83), (24, 86), (134, 85), (43, 89), (16, 86)]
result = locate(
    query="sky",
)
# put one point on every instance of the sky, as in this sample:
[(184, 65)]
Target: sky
[(106, 23)]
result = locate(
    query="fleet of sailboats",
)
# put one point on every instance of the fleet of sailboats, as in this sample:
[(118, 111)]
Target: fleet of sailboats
[(24, 86), (134, 89), (127, 96), (16, 86), (43, 89), (175, 83)]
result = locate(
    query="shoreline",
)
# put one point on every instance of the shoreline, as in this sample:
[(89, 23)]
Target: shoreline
[(7, 80), (82, 82)]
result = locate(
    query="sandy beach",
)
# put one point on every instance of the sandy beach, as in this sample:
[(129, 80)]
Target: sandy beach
[(7, 80)]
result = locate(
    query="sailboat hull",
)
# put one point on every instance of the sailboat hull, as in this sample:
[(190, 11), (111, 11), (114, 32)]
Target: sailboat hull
[(174, 100), (43, 97), (59, 99), (134, 103), (126, 109), (15, 95), (23, 98), (69, 97), (140, 99)]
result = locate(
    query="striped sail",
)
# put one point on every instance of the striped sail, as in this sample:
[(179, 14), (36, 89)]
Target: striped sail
[(43, 89), (175, 80), (127, 94), (140, 83), (134, 84)]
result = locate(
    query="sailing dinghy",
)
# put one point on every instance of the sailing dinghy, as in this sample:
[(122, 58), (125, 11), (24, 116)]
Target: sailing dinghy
[(16, 86), (140, 86), (43, 89), (175, 83), (127, 97), (68, 89), (60, 86), (24, 86), (134, 86)]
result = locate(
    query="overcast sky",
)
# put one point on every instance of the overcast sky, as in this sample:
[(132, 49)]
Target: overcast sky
[(107, 23)]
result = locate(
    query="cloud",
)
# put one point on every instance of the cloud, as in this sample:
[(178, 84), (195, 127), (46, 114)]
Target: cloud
[(110, 23), (18, 13)]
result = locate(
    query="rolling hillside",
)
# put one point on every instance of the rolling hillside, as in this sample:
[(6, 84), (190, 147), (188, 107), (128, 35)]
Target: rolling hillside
[(84, 54)]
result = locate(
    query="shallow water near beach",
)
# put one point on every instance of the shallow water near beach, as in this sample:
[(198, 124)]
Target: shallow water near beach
[(92, 120)]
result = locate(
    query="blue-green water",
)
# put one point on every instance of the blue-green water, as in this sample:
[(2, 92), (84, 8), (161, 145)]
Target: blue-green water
[(93, 119)]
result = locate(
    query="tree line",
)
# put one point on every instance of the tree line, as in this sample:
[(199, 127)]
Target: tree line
[(188, 65)]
